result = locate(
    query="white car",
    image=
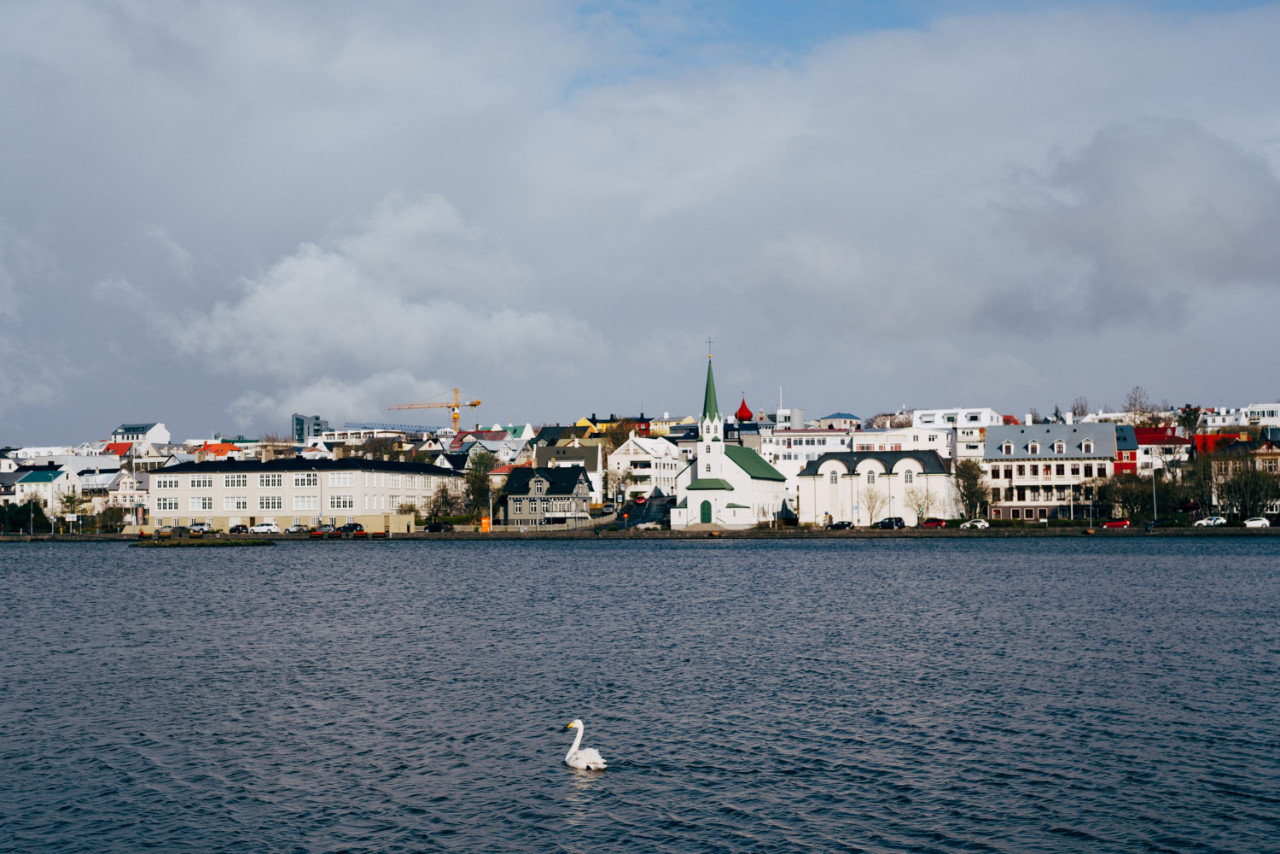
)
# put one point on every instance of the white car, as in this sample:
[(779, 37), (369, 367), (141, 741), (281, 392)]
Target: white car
[(1257, 522), (265, 528), (980, 524), (1210, 522)]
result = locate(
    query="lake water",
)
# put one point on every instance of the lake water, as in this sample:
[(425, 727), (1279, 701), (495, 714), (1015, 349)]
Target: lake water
[(879, 695)]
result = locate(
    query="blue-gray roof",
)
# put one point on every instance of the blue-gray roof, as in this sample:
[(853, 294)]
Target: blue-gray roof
[(1126, 438), (1044, 437), (929, 461)]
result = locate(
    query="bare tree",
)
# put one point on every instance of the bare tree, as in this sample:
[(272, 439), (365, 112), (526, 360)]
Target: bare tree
[(1137, 404), (1080, 407), (874, 501), (920, 500)]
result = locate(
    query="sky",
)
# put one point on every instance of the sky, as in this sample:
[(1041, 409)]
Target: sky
[(216, 214)]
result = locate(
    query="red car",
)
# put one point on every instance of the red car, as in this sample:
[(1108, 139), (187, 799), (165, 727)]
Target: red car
[(934, 523), (1116, 523)]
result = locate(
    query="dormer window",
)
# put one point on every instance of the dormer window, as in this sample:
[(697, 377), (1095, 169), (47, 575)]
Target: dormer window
[(1033, 448), (1007, 449), (1088, 447), (1059, 447)]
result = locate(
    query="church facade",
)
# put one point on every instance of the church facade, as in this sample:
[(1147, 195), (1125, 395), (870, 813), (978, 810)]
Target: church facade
[(726, 485)]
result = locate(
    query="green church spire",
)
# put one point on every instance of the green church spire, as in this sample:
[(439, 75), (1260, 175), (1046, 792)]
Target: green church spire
[(710, 409)]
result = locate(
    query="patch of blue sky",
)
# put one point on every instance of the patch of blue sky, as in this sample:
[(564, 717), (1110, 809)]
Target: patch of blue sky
[(699, 31), (658, 38)]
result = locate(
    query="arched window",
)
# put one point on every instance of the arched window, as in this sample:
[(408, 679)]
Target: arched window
[(835, 478), (906, 477), (871, 477)]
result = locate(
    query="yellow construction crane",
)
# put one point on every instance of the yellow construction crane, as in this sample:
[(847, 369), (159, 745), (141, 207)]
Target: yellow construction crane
[(455, 405)]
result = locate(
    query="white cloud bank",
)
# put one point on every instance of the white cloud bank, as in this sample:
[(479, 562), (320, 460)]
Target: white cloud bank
[(412, 286)]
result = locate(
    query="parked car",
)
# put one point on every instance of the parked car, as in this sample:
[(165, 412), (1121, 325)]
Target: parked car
[(238, 529), (352, 529), (1163, 523), (891, 523), (1257, 522), (608, 508), (323, 531), (201, 527), (164, 533), (265, 528), (297, 529), (842, 525), (1210, 522), (933, 523), (439, 527), (979, 524), (1116, 523)]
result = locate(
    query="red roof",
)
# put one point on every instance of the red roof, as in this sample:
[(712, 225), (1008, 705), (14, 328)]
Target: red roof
[(1159, 436), (219, 449), (507, 469), (1208, 443), (119, 448), (1010, 420), (743, 414)]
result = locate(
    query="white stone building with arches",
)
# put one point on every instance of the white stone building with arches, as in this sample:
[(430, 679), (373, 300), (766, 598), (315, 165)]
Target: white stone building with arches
[(863, 488)]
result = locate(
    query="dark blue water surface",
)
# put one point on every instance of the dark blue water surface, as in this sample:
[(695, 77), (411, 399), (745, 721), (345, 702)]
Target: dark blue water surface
[(898, 695)]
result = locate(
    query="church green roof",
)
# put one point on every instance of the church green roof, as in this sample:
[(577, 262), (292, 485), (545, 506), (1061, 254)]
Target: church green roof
[(711, 483), (752, 463)]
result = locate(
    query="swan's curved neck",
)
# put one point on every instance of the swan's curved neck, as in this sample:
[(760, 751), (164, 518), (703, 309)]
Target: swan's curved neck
[(577, 740)]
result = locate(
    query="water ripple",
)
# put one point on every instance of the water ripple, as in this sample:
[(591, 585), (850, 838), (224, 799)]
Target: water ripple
[(1053, 695)]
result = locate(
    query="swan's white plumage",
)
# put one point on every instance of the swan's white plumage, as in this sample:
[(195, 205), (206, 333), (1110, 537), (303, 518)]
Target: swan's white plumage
[(586, 758)]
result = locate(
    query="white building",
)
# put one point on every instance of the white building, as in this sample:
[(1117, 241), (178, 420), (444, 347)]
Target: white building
[(726, 486), (968, 427), (294, 491), (790, 450), (911, 438), (151, 432), (47, 485), (645, 465), (863, 488)]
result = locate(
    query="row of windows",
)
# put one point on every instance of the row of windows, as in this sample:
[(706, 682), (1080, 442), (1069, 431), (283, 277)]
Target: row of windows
[(907, 477), (1046, 470), (1034, 448), (275, 480)]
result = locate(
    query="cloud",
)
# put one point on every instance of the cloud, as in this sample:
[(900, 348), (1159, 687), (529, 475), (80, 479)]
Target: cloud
[(1148, 213), (340, 401), (412, 283)]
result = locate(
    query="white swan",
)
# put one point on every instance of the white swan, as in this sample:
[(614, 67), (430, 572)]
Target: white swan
[(586, 759)]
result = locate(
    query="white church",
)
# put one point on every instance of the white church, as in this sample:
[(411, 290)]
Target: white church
[(726, 485)]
